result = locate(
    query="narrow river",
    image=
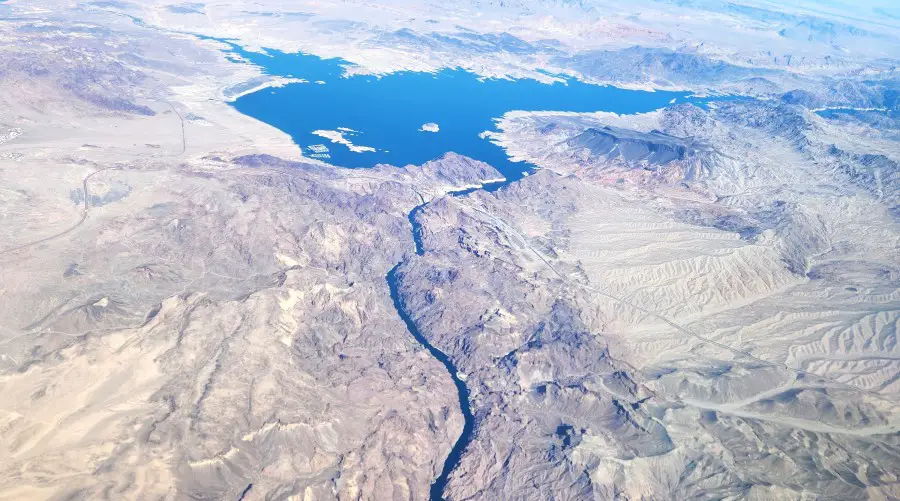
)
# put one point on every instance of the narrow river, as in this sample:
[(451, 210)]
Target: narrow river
[(437, 488)]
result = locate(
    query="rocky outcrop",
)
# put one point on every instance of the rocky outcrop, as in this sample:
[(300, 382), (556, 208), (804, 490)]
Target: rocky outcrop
[(648, 150)]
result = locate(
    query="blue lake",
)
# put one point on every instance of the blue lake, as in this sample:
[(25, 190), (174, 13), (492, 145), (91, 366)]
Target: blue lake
[(387, 113)]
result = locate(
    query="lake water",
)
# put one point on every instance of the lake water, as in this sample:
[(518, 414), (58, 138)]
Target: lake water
[(382, 117)]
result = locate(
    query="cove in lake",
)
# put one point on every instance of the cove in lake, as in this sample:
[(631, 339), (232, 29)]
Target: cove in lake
[(387, 113)]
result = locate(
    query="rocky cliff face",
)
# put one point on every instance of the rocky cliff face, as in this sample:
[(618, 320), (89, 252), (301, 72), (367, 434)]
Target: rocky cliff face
[(654, 151), (634, 148)]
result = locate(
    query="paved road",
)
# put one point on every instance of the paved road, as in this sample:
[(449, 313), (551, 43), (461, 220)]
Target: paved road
[(84, 214), (524, 242), (87, 197)]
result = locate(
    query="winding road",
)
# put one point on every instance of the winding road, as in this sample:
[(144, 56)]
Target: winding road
[(502, 225), (84, 214)]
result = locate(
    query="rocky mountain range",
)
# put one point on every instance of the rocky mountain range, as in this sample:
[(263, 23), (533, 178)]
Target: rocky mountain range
[(700, 302)]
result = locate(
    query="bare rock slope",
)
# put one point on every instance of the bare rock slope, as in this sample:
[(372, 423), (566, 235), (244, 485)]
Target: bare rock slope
[(223, 329), (694, 303), (629, 331), (186, 316)]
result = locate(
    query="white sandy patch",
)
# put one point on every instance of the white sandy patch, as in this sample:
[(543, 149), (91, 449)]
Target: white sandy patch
[(338, 136), (274, 82), (9, 134), (429, 127), (215, 460), (286, 260)]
